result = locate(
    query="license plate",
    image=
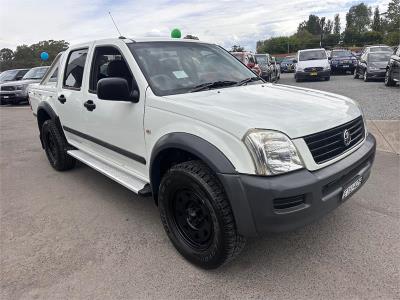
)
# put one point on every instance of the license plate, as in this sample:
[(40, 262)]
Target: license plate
[(313, 73), (5, 97), (352, 187), (345, 66)]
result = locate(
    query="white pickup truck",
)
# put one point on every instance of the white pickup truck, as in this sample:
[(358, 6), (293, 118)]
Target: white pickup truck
[(225, 155)]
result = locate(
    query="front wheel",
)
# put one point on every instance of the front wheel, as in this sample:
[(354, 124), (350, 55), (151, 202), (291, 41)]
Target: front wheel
[(197, 216), (355, 74), (365, 76), (388, 79)]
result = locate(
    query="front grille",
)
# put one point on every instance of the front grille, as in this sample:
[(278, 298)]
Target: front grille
[(313, 69), (330, 143), (7, 88), (284, 203)]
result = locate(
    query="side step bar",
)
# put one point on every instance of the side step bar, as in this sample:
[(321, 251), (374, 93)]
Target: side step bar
[(127, 180)]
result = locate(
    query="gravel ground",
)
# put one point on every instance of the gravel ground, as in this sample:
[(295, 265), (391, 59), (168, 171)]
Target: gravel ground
[(378, 101), (79, 235)]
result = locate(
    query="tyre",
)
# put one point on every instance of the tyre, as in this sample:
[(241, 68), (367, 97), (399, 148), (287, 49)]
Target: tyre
[(56, 146), (355, 75), (328, 78), (365, 76), (197, 216), (388, 79)]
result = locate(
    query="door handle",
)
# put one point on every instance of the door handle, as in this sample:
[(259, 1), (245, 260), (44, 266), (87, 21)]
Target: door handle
[(90, 106), (62, 99)]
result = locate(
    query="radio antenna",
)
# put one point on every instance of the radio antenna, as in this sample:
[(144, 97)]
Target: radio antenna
[(116, 27)]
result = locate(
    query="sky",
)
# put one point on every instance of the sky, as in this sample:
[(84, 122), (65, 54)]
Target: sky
[(225, 22)]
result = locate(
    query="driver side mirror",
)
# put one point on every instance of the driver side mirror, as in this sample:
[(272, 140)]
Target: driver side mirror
[(116, 89)]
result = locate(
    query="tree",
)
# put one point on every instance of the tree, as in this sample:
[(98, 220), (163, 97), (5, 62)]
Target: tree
[(328, 27), (312, 25), (26, 56), (191, 37), (376, 22), (393, 15), (358, 18), (237, 48), (336, 25)]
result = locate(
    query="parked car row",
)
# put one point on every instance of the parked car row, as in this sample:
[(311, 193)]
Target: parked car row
[(374, 62), (14, 83), (264, 65)]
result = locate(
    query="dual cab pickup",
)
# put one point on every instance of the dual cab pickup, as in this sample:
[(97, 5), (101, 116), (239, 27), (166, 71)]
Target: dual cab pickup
[(224, 154)]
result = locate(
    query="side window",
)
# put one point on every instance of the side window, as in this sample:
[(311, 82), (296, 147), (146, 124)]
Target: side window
[(108, 62), (74, 71)]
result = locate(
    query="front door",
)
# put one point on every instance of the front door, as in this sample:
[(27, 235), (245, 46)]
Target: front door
[(114, 129)]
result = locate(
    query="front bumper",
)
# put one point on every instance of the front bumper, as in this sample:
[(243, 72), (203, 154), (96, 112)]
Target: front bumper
[(13, 96), (343, 67), (256, 200), (376, 74), (307, 75)]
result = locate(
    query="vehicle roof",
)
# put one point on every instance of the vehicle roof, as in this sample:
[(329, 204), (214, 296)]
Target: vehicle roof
[(303, 50), (17, 69), (138, 40)]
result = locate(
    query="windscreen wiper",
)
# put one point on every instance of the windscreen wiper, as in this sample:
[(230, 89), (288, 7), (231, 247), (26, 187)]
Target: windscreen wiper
[(210, 85), (247, 80)]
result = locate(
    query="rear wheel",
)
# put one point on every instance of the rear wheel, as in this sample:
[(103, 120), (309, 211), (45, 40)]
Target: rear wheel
[(365, 76), (56, 146), (388, 79), (355, 74), (197, 216)]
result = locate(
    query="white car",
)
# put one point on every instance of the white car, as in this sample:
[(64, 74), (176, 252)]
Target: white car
[(225, 155), (312, 63)]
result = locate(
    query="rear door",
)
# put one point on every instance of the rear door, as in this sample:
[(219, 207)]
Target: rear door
[(69, 98)]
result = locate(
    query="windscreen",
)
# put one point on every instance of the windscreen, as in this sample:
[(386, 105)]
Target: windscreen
[(179, 67), (341, 53), (288, 60), (261, 59), (381, 48), (35, 73), (8, 75), (378, 57), (312, 55)]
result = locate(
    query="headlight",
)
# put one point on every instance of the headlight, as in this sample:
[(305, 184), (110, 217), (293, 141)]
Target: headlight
[(272, 152)]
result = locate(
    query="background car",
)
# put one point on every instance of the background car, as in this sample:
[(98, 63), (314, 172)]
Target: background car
[(12, 75), (249, 60), (265, 63), (276, 70), (15, 92), (288, 64), (376, 48), (392, 75), (312, 64), (372, 65), (342, 61)]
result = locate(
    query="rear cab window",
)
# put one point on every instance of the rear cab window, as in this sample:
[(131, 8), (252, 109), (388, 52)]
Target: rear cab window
[(75, 65)]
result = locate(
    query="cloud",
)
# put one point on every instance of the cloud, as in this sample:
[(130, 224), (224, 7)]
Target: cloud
[(224, 22)]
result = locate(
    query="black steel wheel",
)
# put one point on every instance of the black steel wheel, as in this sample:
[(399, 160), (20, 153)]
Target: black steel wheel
[(55, 146), (388, 79), (197, 216)]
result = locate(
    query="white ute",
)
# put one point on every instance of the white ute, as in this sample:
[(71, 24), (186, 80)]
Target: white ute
[(225, 155)]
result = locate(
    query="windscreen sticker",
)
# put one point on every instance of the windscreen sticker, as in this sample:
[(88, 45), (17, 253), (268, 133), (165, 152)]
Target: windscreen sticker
[(180, 74)]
